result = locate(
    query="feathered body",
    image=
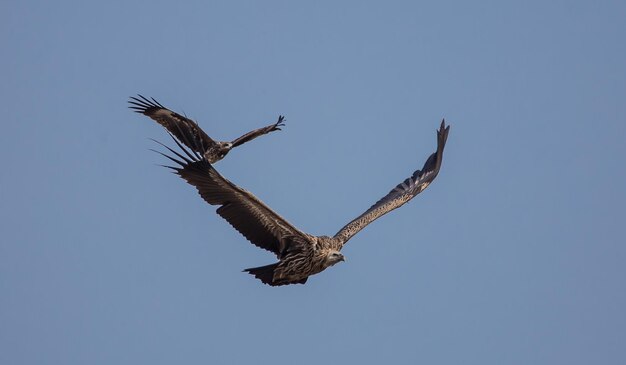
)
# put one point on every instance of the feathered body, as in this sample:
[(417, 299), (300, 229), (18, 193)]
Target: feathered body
[(303, 258)]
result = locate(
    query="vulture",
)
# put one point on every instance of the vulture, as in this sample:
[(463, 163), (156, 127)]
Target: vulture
[(188, 132), (300, 254)]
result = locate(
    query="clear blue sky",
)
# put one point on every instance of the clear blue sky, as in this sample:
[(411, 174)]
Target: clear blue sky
[(514, 255)]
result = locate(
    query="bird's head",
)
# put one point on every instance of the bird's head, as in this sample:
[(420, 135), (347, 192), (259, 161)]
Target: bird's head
[(224, 148), (334, 257)]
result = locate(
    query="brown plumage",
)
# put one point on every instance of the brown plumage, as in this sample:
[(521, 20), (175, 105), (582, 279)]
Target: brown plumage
[(189, 133), (300, 254)]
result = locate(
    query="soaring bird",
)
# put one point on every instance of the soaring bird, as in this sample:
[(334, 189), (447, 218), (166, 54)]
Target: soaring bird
[(300, 254), (188, 132)]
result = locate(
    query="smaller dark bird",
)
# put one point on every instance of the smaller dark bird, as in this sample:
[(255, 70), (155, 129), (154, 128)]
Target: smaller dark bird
[(190, 134)]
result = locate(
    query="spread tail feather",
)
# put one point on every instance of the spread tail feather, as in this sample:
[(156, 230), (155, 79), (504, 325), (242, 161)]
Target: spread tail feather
[(263, 273), (266, 275)]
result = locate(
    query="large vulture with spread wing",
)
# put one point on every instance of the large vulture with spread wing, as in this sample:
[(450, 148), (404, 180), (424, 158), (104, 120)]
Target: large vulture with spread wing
[(188, 132), (300, 254)]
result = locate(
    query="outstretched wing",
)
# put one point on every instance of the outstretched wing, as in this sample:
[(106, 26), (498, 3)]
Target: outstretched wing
[(402, 193), (245, 212), (259, 132), (186, 130)]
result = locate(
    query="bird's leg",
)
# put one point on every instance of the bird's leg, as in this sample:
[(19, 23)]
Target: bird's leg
[(276, 126)]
